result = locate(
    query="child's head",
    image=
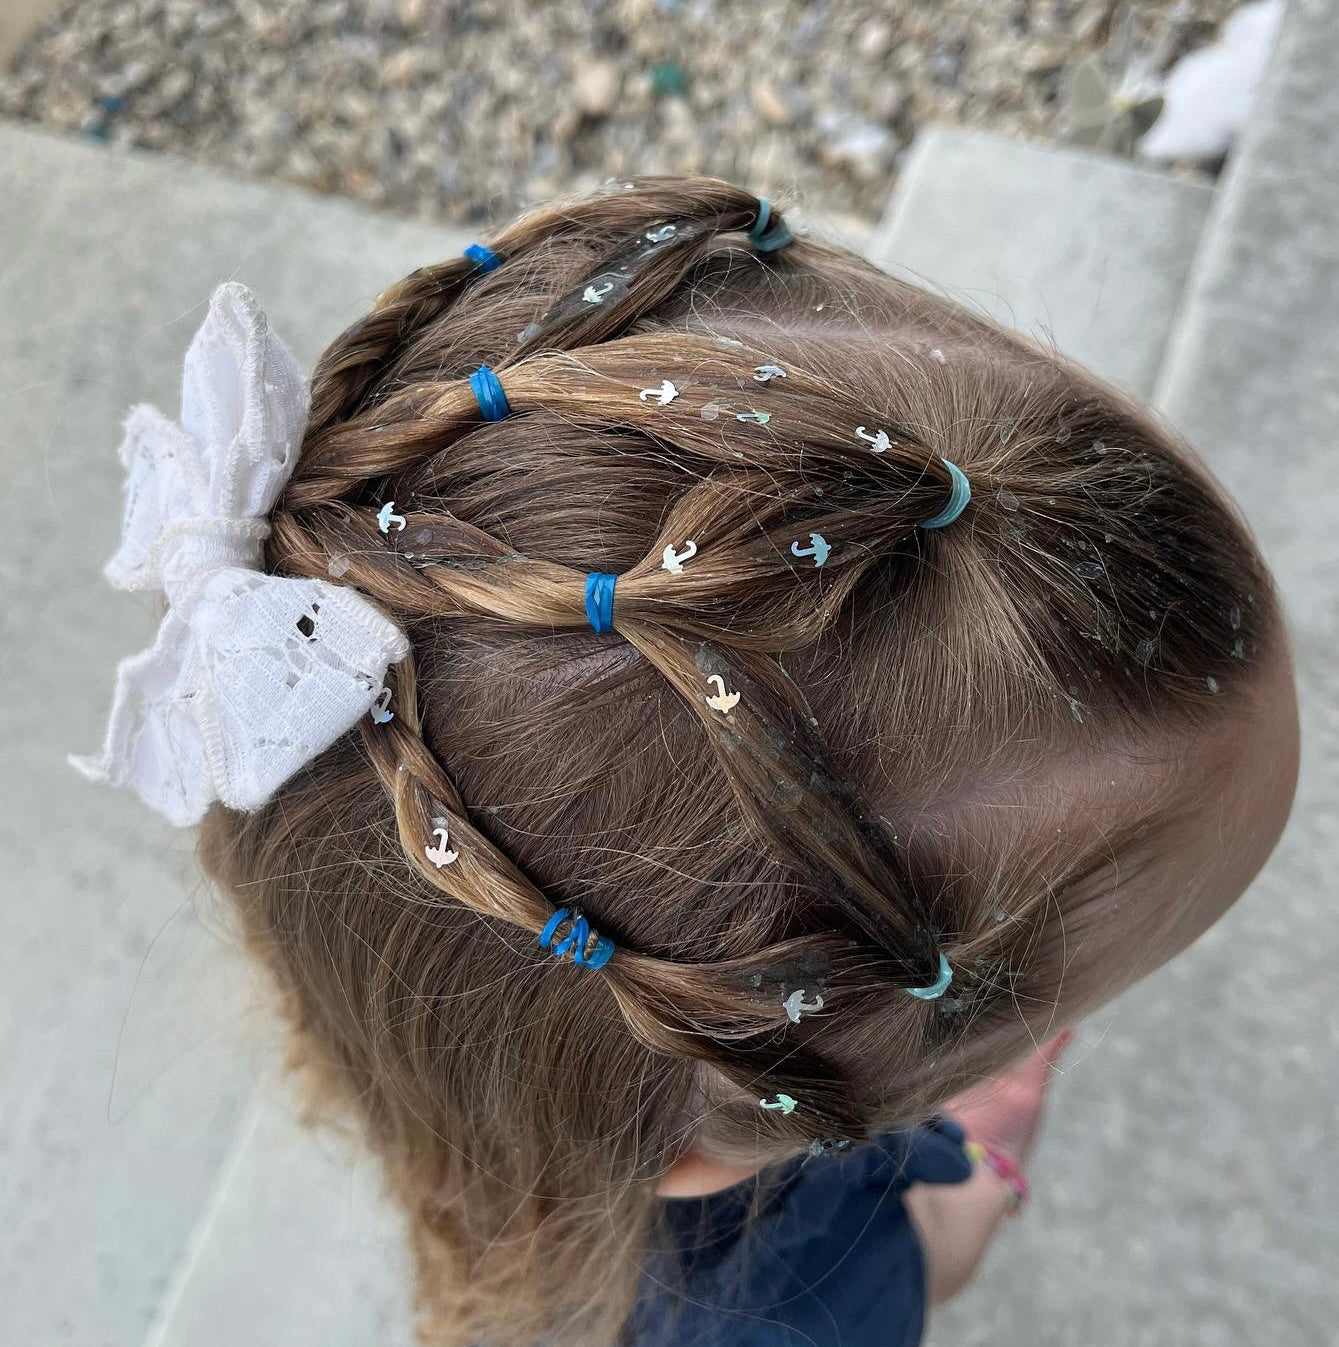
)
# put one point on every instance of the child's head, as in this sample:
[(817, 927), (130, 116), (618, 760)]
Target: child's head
[(1050, 741)]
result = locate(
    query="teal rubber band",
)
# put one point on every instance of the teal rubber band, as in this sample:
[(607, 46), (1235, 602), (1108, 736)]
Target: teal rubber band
[(767, 237), (957, 501), (936, 988)]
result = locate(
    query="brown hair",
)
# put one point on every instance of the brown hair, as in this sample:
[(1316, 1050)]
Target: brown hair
[(1096, 588)]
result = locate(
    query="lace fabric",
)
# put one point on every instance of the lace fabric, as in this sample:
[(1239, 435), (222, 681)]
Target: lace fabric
[(251, 675)]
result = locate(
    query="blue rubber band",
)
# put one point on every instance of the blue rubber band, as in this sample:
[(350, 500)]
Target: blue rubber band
[(957, 501), (488, 392), (600, 600), (576, 941), (551, 927), (483, 258), (937, 988), (768, 238)]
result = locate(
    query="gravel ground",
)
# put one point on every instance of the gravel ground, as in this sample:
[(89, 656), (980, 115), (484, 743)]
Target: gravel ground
[(467, 110)]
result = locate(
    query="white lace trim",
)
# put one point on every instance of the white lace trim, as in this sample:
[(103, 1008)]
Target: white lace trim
[(251, 675)]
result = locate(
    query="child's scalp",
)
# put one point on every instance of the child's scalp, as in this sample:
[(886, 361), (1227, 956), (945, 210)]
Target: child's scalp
[(722, 782)]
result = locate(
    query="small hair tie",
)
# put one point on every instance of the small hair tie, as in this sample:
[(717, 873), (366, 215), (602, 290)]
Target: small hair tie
[(957, 501), (766, 237), (938, 987), (600, 600), (483, 258), (577, 940), (488, 392)]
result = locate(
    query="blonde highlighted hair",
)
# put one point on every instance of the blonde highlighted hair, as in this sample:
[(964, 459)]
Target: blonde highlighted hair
[(1096, 589)]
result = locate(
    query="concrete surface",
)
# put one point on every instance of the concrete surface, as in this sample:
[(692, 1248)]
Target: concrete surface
[(153, 1189), (297, 1247), (128, 1042), (1186, 1184), (1077, 250)]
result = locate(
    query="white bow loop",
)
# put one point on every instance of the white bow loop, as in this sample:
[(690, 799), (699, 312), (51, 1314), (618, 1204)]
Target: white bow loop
[(251, 675)]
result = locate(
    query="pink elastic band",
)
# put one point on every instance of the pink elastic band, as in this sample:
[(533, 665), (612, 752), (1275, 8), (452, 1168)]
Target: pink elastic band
[(1003, 1166)]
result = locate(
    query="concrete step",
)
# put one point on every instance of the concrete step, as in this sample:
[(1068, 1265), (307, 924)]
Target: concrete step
[(1079, 250), (299, 1246), (1252, 370), (125, 1061), (1252, 380), (1178, 1181)]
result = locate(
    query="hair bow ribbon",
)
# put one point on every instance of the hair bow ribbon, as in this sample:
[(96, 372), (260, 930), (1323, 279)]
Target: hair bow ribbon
[(251, 675)]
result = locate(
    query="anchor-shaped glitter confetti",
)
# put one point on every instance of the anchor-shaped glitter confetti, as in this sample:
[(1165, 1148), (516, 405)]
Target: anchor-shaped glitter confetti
[(672, 561), (386, 516), (762, 418), (594, 294), (818, 549), (828, 1146), (761, 373), (723, 700), (665, 393), (880, 442), (661, 235), (381, 712), (783, 1102), (440, 855), (795, 1003)]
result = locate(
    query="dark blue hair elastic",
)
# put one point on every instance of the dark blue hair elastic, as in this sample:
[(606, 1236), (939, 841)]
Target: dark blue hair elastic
[(492, 400), (483, 258), (576, 941), (600, 600), (768, 238)]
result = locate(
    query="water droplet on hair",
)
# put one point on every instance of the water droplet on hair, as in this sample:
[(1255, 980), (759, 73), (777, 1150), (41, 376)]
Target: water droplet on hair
[(1090, 570), (1099, 448), (1007, 500), (1007, 429), (1145, 651), (1106, 537), (337, 566), (1050, 500), (813, 720), (1234, 617), (1239, 648), (818, 308), (938, 355), (818, 491), (1211, 683), (1062, 435)]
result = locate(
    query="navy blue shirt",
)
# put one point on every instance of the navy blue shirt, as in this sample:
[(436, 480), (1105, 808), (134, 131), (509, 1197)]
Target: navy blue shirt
[(822, 1255)]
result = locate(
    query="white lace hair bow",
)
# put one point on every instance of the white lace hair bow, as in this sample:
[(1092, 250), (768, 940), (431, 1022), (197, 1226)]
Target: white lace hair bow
[(251, 675)]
